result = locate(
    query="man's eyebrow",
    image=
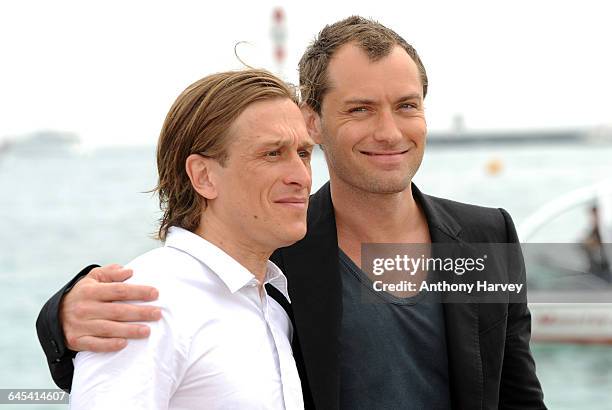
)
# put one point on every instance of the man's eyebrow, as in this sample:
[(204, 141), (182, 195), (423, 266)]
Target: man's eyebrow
[(282, 142), (272, 142), (368, 101), (413, 96), (307, 144), (357, 101)]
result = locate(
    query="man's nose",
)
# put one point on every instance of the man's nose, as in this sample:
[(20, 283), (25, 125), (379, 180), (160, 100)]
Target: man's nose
[(298, 172), (387, 129)]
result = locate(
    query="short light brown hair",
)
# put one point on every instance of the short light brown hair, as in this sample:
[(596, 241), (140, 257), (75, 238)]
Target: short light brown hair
[(372, 37), (198, 123)]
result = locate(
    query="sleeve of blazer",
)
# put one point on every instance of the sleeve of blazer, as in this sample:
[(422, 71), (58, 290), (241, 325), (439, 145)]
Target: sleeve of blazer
[(51, 336), (520, 387)]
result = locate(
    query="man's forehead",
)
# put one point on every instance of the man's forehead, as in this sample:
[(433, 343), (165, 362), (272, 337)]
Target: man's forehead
[(269, 116), (275, 126), (350, 63), (352, 76)]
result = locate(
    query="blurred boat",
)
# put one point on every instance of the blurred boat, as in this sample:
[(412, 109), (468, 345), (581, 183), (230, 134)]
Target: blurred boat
[(570, 284), (460, 136), (41, 142), (4, 145)]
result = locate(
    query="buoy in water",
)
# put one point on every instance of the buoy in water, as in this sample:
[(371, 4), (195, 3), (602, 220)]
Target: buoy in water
[(494, 166)]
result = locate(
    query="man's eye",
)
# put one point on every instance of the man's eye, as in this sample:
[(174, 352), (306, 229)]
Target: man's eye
[(304, 154), (358, 109), (408, 106), (273, 153)]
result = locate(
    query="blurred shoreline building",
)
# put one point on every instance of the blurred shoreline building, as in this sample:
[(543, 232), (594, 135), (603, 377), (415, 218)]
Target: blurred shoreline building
[(461, 136), (40, 142)]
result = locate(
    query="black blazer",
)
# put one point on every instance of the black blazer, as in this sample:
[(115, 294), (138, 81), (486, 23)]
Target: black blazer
[(488, 344), (490, 362)]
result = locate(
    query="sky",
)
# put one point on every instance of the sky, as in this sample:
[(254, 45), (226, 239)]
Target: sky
[(109, 71)]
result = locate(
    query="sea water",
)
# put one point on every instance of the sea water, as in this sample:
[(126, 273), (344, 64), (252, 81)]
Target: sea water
[(62, 211)]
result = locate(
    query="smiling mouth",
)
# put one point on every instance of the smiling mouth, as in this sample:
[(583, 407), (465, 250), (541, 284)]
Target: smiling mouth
[(380, 154)]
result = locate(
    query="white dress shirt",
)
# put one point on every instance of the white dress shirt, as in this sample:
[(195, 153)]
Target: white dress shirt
[(221, 344)]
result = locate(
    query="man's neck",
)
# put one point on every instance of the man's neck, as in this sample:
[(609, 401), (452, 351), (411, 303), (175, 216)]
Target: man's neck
[(247, 254), (365, 217)]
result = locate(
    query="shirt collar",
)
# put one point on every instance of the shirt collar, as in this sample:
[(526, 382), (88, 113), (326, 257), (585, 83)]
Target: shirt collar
[(232, 274)]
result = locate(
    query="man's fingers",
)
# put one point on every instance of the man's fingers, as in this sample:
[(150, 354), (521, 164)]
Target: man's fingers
[(121, 312), (98, 344), (116, 330), (111, 292), (110, 273), (92, 322)]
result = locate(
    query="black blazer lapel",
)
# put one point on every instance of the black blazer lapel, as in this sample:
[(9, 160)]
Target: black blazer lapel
[(461, 319), (315, 292)]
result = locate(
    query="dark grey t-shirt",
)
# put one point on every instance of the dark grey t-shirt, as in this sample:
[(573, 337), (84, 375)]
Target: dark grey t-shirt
[(393, 350)]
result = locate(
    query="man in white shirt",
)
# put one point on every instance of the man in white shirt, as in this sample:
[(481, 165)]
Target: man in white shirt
[(234, 179)]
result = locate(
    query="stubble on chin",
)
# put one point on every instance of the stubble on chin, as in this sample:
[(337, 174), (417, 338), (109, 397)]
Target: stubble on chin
[(367, 181)]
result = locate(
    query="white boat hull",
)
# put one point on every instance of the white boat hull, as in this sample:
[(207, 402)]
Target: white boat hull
[(587, 323)]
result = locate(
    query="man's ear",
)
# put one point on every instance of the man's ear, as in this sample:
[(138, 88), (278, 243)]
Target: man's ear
[(201, 172), (313, 123)]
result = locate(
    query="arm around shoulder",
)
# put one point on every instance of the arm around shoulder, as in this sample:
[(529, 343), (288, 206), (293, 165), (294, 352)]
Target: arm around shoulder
[(144, 374), (51, 335)]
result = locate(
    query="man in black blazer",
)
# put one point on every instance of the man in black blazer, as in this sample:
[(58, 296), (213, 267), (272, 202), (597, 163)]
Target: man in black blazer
[(362, 90)]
